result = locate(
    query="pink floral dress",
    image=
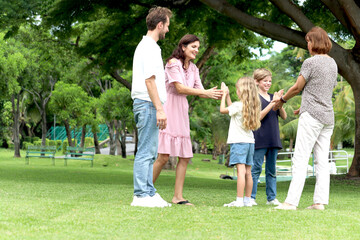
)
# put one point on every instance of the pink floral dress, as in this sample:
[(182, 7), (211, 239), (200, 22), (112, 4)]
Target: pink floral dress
[(175, 139)]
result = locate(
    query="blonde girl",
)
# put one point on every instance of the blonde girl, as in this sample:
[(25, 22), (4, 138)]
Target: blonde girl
[(245, 118)]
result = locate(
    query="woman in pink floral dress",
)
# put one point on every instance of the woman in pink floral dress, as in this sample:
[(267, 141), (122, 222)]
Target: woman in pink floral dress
[(182, 79)]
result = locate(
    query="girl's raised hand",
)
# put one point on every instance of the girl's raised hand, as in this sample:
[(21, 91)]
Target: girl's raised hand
[(224, 88)]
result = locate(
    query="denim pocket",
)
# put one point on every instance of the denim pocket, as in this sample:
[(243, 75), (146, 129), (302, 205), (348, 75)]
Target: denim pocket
[(140, 111)]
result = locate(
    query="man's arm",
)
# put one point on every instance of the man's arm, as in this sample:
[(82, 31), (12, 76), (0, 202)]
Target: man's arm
[(161, 119)]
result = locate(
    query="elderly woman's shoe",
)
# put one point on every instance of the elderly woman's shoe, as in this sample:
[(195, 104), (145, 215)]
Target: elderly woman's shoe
[(285, 206), (316, 207)]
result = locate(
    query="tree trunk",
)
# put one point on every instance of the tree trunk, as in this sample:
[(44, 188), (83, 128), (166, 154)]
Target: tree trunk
[(43, 127), (68, 133), (96, 142), (83, 134), (111, 137), (16, 115), (354, 170), (122, 140), (123, 146), (171, 164), (291, 144)]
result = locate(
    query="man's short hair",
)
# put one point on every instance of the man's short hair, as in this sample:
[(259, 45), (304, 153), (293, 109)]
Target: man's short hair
[(156, 15)]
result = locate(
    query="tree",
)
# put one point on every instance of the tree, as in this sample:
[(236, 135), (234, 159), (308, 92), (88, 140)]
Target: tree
[(47, 60), (72, 106), (115, 107), (274, 20), (12, 65)]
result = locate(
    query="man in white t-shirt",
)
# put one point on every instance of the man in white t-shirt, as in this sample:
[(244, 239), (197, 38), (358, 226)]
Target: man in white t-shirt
[(149, 94)]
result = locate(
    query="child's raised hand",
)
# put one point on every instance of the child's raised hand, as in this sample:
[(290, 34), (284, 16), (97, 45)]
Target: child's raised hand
[(278, 95), (224, 88)]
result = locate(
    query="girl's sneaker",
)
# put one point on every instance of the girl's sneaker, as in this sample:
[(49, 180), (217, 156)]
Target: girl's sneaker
[(253, 203), (234, 204)]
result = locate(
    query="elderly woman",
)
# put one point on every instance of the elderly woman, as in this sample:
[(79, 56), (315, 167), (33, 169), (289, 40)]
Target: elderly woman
[(181, 79), (317, 80)]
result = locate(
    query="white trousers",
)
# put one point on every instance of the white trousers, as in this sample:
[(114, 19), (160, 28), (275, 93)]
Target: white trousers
[(311, 135)]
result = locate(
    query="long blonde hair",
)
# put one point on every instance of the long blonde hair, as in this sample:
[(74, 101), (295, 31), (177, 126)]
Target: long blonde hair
[(248, 95)]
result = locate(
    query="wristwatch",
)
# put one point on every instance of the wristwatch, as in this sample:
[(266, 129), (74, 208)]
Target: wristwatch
[(282, 100)]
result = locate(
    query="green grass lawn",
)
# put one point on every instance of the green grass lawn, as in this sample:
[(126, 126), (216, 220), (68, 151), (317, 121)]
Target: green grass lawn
[(41, 201)]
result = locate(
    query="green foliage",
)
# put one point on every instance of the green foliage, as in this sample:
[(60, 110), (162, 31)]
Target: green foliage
[(65, 144), (71, 103), (89, 142), (344, 107), (37, 143), (25, 145)]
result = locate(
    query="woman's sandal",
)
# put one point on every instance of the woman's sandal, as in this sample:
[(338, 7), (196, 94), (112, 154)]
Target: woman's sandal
[(186, 202)]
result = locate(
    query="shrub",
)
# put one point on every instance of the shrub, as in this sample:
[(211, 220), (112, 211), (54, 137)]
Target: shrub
[(89, 141), (37, 143), (26, 145), (50, 142), (65, 143), (58, 144)]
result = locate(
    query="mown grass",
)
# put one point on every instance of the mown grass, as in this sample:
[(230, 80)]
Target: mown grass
[(41, 201)]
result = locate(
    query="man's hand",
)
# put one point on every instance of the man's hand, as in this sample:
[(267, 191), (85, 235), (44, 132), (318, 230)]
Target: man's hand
[(161, 119)]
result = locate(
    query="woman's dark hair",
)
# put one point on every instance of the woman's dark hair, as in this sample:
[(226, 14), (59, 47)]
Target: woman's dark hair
[(184, 41)]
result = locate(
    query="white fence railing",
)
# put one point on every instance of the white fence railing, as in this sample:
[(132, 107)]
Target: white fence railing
[(334, 157)]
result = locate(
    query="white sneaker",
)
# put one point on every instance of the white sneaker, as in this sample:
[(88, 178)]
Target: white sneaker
[(234, 204), (158, 199), (253, 203), (143, 202), (247, 204), (273, 202)]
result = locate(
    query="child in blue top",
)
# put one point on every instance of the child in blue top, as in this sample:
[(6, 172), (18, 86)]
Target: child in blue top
[(245, 118), (267, 137)]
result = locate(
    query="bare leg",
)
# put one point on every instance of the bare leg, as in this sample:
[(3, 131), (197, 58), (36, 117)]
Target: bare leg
[(241, 180), (248, 181), (180, 179), (159, 164)]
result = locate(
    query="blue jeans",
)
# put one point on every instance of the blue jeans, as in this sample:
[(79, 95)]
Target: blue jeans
[(145, 119), (270, 171)]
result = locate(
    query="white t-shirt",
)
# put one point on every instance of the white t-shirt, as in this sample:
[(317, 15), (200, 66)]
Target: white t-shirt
[(147, 63), (237, 133)]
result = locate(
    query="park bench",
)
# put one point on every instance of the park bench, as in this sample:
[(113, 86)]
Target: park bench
[(40, 152), (79, 153)]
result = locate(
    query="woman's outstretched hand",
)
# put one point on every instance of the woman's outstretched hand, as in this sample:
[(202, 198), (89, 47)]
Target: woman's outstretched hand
[(214, 93)]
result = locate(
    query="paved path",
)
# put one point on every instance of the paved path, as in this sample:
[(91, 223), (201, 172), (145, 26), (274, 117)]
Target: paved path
[(130, 147)]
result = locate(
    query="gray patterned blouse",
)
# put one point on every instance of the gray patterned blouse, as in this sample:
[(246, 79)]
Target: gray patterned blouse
[(320, 73)]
